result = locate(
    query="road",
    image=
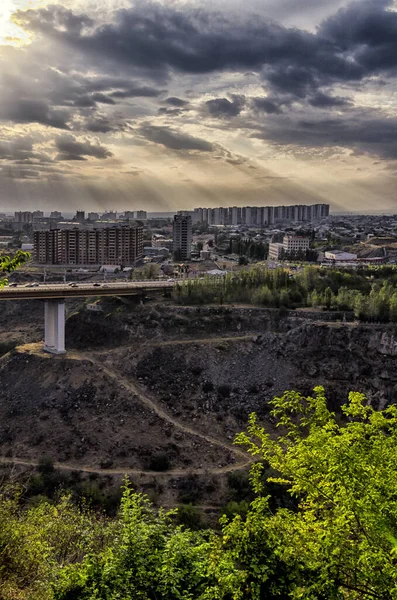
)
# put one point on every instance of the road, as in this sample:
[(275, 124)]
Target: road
[(62, 290)]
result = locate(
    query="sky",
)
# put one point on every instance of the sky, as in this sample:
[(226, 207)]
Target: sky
[(175, 104)]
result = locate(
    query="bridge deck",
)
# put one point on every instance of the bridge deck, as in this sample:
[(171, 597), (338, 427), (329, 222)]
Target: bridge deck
[(82, 290)]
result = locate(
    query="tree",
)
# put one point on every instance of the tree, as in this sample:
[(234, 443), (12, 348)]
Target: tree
[(335, 540), (328, 296), (9, 264), (149, 558), (344, 477), (393, 307)]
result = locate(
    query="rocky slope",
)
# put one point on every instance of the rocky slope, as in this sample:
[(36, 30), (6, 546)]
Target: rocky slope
[(160, 391)]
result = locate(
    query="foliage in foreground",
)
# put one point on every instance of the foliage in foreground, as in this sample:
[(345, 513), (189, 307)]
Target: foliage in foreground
[(8, 264), (338, 541)]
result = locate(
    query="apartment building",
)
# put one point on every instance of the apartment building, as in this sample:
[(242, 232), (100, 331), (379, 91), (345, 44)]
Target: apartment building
[(120, 245), (292, 244), (182, 236), (260, 216)]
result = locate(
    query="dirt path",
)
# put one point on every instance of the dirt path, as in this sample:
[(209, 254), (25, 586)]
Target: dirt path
[(126, 471), (153, 343), (152, 405), (212, 340)]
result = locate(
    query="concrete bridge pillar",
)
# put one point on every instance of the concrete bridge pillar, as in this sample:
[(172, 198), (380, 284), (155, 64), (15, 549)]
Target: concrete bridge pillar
[(54, 318)]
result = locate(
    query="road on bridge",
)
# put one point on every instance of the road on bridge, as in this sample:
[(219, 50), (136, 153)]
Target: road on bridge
[(62, 290)]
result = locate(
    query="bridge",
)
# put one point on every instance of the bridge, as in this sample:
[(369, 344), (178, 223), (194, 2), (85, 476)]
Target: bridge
[(54, 296)]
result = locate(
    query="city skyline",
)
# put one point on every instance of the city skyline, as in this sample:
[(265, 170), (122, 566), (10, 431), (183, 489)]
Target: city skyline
[(166, 106)]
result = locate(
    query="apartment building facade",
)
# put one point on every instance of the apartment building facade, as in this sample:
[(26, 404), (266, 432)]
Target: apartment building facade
[(292, 245), (260, 216), (121, 245), (182, 236)]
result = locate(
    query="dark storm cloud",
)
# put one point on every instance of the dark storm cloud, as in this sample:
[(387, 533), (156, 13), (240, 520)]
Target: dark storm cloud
[(159, 37), (362, 133), (172, 139), (84, 102), (101, 124), (222, 107), (20, 110), (71, 149), (147, 44), (366, 31), (102, 98), (270, 107), (174, 101), (20, 150), (322, 100), (357, 41)]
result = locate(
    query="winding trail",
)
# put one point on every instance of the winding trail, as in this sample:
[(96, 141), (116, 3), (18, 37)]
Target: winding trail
[(86, 469), (152, 405), (245, 460)]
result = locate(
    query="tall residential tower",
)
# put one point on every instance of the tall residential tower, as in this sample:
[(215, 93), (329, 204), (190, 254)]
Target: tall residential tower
[(182, 237)]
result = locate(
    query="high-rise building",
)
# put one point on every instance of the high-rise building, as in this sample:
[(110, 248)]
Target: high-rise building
[(258, 216), (182, 236), (23, 217), (120, 245), (55, 214), (93, 216), (141, 215), (109, 215), (80, 216)]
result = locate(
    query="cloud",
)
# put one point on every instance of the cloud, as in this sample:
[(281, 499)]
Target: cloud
[(102, 98), (158, 40), (102, 124), (13, 172), (222, 107), (175, 140), (174, 101), (129, 71), (70, 148), (19, 148), (322, 100), (270, 107), (362, 132), (136, 91), (171, 112), (29, 110)]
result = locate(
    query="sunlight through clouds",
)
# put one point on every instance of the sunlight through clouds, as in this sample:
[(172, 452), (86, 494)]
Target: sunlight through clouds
[(185, 102)]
